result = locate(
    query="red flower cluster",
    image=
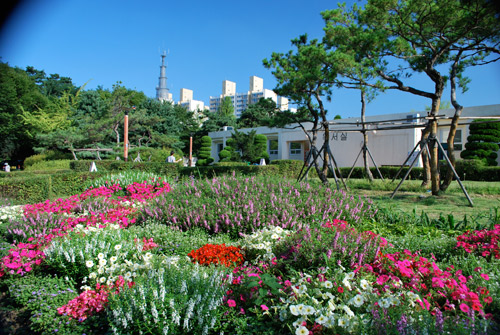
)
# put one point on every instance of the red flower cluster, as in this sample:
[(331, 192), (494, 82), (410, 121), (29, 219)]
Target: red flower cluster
[(481, 242), (92, 301), (217, 254)]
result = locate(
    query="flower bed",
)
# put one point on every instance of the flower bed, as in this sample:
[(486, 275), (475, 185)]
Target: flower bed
[(133, 270)]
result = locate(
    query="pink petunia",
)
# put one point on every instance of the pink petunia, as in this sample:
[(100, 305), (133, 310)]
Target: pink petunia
[(485, 276), (231, 303), (264, 307), (464, 308)]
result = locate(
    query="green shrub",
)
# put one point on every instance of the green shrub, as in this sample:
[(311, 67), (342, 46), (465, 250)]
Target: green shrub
[(30, 189), (204, 156), (288, 167), (49, 165), (482, 143), (41, 296)]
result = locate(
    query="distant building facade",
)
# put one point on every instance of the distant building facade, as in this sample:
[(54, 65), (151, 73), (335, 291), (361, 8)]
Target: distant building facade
[(241, 101), (187, 101)]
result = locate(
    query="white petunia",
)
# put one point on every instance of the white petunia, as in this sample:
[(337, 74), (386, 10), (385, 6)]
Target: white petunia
[(102, 279), (364, 284), (321, 319), (118, 247), (294, 310), (308, 310), (113, 259), (328, 284), (102, 262), (358, 300), (100, 255), (343, 322), (302, 331), (89, 264)]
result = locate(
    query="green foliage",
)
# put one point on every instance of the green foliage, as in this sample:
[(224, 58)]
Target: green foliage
[(288, 168), (29, 189), (124, 179), (482, 143), (62, 164), (204, 155), (41, 296), (258, 114), (226, 107), (261, 145)]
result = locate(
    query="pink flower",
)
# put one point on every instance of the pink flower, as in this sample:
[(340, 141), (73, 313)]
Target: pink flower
[(485, 276), (464, 308), (264, 307), (231, 303)]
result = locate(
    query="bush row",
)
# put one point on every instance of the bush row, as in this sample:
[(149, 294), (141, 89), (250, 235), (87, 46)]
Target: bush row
[(37, 188)]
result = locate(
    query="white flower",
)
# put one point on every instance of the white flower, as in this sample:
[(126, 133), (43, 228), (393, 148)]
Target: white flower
[(92, 275), (348, 311), (364, 284), (331, 305), (89, 264), (113, 259), (321, 319), (294, 310), (118, 247), (358, 300), (100, 256), (300, 308), (343, 322), (350, 275), (302, 331), (102, 262), (308, 310), (328, 284), (275, 236), (100, 271), (102, 279)]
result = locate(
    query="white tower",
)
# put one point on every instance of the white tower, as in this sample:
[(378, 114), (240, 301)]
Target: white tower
[(162, 93)]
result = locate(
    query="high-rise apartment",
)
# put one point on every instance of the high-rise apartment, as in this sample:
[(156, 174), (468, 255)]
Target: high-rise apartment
[(241, 101)]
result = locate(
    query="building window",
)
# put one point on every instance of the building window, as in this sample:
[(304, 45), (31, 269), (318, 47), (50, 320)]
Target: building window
[(295, 148), (273, 147)]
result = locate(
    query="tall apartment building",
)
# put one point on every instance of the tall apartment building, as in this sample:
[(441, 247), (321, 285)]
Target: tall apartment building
[(241, 101), (186, 100)]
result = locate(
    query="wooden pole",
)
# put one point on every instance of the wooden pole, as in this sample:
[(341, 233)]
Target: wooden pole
[(190, 162), (125, 137)]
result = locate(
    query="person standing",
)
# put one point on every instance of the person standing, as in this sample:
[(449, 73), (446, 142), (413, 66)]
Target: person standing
[(7, 167), (171, 158)]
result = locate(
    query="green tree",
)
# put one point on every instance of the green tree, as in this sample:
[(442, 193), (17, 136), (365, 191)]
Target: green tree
[(482, 142), (261, 144), (258, 114), (229, 153), (400, 38), (215, 121), (306, 77), (226, 107), (18, 96)]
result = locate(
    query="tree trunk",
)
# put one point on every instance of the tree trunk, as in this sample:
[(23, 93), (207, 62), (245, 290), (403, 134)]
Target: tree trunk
[(425, 160), (365, 137), (433, 148), (115, 129), (454, 123), (73, 153)]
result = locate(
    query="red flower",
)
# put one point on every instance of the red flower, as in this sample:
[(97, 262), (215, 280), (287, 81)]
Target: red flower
[(340, 289)]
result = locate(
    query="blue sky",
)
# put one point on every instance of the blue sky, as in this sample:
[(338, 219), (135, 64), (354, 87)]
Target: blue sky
[(102, 42)]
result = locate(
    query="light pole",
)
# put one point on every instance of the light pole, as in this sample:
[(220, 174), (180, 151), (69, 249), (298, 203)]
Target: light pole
[(125, 137), (190, 161)]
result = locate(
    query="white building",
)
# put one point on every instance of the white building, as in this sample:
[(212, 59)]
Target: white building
[(391, 138), (187, 101), (241, 101)]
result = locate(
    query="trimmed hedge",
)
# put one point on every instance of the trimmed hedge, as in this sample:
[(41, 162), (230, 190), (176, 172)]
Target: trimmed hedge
[(29, 189), (213, 171), (33, 189), (161, 168)]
